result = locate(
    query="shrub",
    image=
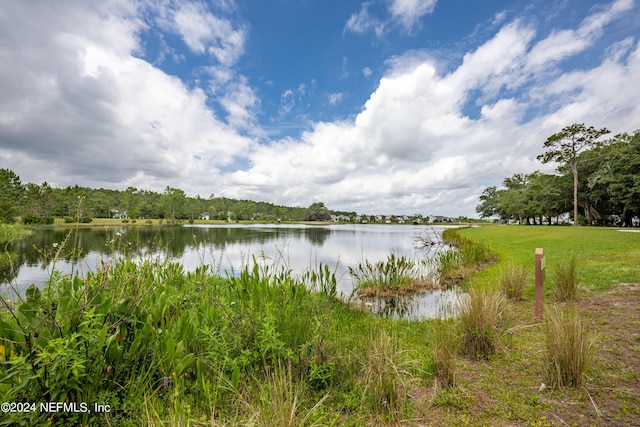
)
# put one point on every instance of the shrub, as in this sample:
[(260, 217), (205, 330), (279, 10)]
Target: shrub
[(566, 279), (481, 314), (513, 278), (78, 219), (36, 220), (568, 348)]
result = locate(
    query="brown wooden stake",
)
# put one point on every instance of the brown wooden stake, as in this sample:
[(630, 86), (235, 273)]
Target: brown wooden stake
[(540, 273)]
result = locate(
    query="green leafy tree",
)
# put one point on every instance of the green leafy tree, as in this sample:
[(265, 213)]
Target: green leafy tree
[(566, 145), (174, 202), (38, 202), (489, 200), (317, 212), (621, 174), (11, 192)]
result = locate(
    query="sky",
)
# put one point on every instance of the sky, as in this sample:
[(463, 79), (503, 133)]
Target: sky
[(377, 107)]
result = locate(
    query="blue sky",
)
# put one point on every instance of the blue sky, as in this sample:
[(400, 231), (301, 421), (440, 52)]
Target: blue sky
[(382, 106)]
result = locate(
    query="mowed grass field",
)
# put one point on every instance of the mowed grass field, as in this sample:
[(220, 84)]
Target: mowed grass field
[(606, 256)]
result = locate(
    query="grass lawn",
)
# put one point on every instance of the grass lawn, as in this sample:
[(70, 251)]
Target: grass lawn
[(606, 256)]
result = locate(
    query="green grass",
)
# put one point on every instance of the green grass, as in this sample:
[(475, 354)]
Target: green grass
[(608, 257)]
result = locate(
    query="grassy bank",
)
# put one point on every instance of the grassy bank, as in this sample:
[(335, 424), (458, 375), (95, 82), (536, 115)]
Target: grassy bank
[(10, 231), (162, 346)]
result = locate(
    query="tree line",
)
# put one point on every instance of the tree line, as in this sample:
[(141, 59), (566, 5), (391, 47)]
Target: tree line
[(40, 204), (597, 182)]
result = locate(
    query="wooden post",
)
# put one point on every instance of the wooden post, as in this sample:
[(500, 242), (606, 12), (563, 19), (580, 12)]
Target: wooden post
[(540, 273)]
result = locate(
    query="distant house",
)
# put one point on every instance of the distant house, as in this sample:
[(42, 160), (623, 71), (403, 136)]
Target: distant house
[(117, 214), (205, 216)]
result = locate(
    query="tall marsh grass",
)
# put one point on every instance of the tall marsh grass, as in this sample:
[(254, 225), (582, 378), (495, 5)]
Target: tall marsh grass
[(481, 315), (513, 279), (386, 376), (568, 348), (445, 349), (566, 278)]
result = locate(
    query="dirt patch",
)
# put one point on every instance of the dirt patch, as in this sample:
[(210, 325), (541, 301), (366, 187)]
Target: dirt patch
[(615, 387), (611, 395)]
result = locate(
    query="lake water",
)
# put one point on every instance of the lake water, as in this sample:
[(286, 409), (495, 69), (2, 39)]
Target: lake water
[(228, 248)]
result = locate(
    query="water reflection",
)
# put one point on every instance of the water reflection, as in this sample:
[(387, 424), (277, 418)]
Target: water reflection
[(436, 304), (227, 249)]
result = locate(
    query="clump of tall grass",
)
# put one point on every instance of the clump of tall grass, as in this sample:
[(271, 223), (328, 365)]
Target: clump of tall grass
[(279, 401), (386, 377), (481, 314), (445, 348), (566, 279), (568, 348), (513, 278), (385, 278)]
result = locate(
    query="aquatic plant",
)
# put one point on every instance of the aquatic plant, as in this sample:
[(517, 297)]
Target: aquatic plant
[(385, 278)]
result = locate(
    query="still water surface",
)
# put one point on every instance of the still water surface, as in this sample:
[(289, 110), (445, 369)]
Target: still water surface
[(228, 248)]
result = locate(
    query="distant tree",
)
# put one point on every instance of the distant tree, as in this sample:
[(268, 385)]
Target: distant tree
[(37, 204), (488, 206), (11, 191), (621, 174), (317, 212), (564, 147), (174, 202)]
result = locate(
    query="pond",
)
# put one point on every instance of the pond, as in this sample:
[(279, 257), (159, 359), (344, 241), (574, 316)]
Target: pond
[(228, 249)]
